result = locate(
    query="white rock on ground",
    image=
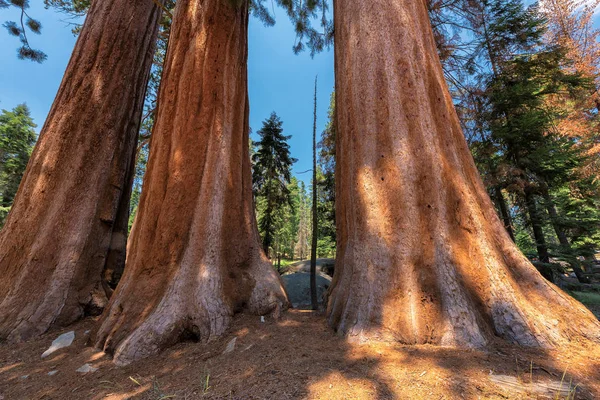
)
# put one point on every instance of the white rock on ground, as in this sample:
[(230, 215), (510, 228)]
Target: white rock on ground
[(64, 340), (52, 373), (230, 346), (85, 368)]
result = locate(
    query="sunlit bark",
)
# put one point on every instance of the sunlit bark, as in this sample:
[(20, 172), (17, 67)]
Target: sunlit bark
[(194, 257), (422, 255)]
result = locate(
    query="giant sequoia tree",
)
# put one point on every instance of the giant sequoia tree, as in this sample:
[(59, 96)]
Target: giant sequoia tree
[(194, 257), (422, 255), (68, 223)]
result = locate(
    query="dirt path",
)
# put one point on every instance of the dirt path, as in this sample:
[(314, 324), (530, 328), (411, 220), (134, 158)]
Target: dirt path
[(297, 357), (297, 286), (324, 266)]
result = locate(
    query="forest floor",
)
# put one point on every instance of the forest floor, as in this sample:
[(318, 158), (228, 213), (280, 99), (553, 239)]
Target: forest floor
[(297, 357)]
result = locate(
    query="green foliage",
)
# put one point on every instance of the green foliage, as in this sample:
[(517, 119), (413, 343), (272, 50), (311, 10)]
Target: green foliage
[(304, 216), (302, 14), (587, 298), (271, 175), (538, 158), (19, 29), (516, 96), (326, 182), (17, 138), (578, 202)]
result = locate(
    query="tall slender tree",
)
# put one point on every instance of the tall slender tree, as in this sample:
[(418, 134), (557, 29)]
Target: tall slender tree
[(422, 256), (68, 223), (327, 234), (302, 247), (315, 220), (194, 255)]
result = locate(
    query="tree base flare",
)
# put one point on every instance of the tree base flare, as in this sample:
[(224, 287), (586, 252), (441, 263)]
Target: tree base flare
[(189, 310), (422, 256)]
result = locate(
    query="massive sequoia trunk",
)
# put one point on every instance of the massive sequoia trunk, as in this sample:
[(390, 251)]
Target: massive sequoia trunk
[(65, 227), (194, 257), (422, 254)]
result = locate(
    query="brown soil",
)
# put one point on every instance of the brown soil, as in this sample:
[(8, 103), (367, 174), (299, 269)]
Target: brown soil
[(295, 357)]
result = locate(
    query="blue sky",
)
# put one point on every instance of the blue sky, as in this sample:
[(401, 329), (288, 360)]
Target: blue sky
[(278, 80)]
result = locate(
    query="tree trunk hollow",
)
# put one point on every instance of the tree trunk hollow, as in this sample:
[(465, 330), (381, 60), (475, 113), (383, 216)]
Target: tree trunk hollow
[(65, 226), (422, 254), (194, 256)]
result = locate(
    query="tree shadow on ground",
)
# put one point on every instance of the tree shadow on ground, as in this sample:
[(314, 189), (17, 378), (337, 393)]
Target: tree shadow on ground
[(295, 357)]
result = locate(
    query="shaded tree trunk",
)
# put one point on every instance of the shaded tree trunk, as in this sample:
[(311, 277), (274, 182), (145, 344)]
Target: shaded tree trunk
[(194, 257), (562, 237), (422, 254), (504, 212), (535, 220), (66, 225)]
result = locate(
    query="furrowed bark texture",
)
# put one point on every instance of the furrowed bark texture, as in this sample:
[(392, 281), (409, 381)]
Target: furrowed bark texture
[(65, 227), (422, 255), (194, 256)]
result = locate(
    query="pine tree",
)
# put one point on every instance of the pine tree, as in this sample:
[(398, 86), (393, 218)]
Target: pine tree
[(17, 137), (271, 175), (26, 24), (571, 23), (522, 122)]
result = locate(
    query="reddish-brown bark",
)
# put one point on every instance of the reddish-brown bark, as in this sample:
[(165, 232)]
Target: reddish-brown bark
[(194, 257), (422, 255), (66, 225)]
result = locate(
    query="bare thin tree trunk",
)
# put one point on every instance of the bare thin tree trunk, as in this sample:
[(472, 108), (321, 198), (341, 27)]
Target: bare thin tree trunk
[(535, 220), (194, 257), (65, 226), (315, 229), (504, 212), (422, 254)]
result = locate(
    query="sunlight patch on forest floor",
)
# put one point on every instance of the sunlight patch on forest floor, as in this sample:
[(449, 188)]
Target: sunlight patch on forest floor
[(297, 357)]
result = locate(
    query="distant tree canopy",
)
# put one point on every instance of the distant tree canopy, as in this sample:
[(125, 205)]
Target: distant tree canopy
[(524, 85), (17, 137), (312, 24)]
